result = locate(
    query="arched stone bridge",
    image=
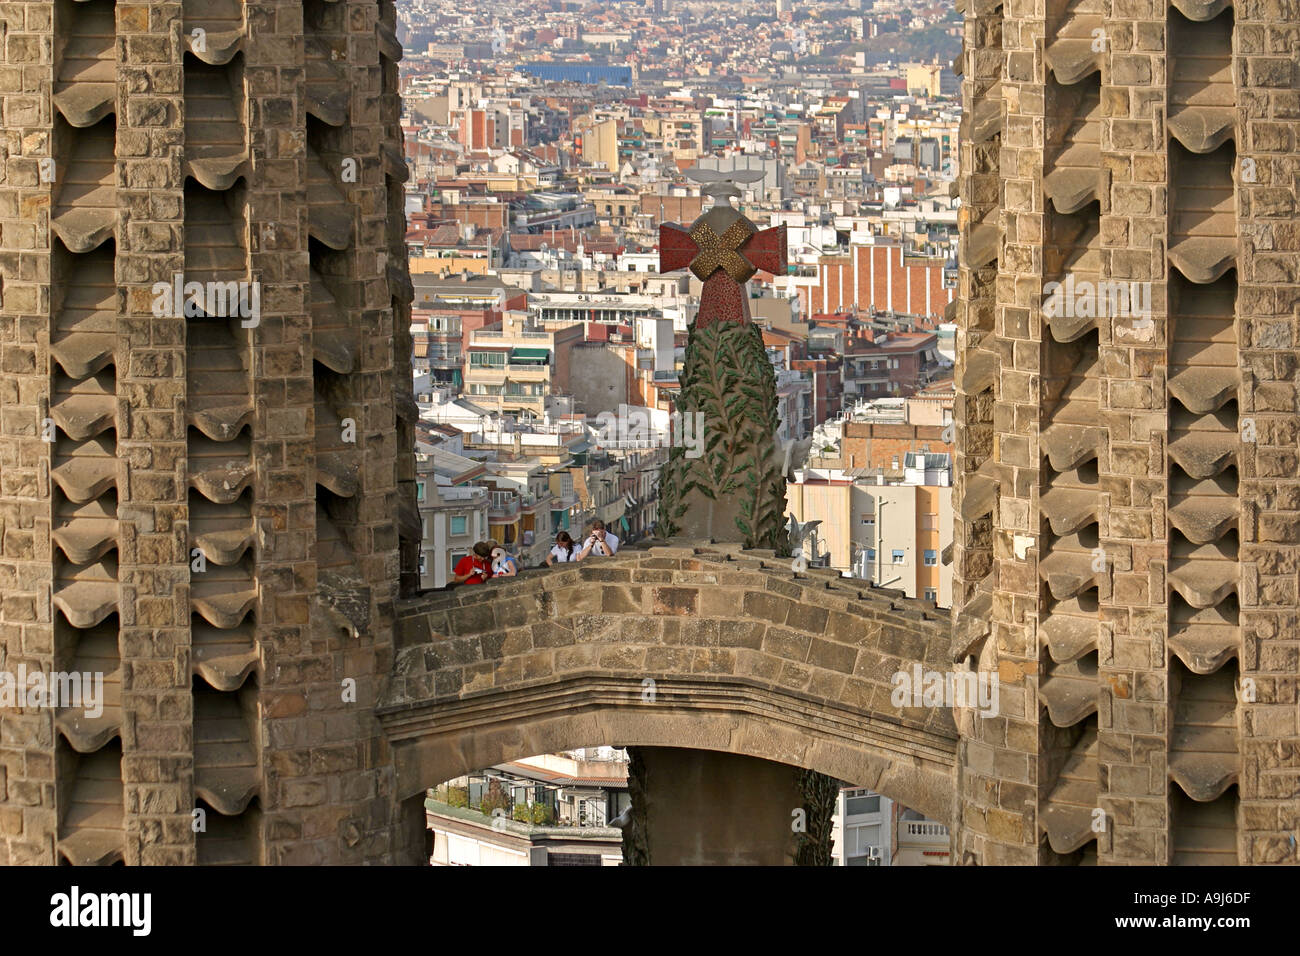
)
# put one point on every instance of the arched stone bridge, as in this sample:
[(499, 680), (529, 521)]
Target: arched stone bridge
[(704, 647)]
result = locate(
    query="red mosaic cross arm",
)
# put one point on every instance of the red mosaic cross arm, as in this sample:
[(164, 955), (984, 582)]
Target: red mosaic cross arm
[(676, 247), (767, 250)]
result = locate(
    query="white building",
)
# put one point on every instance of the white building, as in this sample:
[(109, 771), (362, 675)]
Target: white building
[(869, 829), (452, 519)]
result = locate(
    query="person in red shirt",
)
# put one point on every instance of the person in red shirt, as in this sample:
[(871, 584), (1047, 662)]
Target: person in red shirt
[(474, 568)]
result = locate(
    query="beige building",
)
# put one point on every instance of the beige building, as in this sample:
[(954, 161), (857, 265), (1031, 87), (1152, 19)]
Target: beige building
[(892, 535), (520, 508), (600, 144), (465, 837), (452, 519), (923, 77), (509, 366)]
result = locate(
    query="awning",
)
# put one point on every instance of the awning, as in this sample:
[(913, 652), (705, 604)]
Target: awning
[(530, 355), (623, 520)]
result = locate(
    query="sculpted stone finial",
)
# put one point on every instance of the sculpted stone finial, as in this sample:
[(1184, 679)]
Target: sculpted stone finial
[(735, 489)]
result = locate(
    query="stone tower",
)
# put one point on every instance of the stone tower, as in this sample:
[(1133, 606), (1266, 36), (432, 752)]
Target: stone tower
[(1127, 539), (203, 373)]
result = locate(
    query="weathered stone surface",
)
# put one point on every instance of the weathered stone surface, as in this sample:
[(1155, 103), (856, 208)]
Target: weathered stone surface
[(1174, 410)]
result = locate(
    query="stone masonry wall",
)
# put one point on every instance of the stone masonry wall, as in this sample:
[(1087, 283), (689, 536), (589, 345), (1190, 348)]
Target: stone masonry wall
[(1144, 447), (200, 507)]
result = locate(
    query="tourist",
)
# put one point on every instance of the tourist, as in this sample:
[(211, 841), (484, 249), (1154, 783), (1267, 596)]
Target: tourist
[(564, 551), (474, 568), (599, 542), (504, 564)]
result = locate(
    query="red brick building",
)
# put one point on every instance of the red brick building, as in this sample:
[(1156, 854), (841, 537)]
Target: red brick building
[(881, 445), (882, 277)]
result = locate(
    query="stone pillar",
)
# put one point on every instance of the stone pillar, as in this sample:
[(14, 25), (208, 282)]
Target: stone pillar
[(1131, 726), (1144, 480), (30, 803), (154, 572), (201, 507), (1267, 164), (704, 808)]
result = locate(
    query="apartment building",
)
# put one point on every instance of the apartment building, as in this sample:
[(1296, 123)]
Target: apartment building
[(452, 507), (870, 829), (436, 342), (882, 276), (510, 365), (519, 508), (452, 520), (548, 810), (893, 364), (461, 836), (890, 534), (621, 365)]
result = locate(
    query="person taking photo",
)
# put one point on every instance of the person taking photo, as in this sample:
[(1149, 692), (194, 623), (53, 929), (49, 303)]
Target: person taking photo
[(600, 542)]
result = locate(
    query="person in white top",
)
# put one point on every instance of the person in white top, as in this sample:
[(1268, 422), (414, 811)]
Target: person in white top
[(565, 550), (599, 542)]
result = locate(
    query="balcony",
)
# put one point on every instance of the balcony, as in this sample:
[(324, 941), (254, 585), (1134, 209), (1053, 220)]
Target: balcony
[(462, 494), (531, 504), (922, 833), (534, 372), (503, 506), (868, 375), (443, 358), (496, 334)]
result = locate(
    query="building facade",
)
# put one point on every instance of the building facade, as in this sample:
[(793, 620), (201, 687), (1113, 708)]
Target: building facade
[(452, 520), (510, 365), (870, 829), (893, 535)]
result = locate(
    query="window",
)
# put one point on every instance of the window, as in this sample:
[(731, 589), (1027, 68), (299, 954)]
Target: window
[(424, 563), (929, 522), (898, 556), (459, 524), (931, 558), (455, 556), (419, 491), (856, 805), (871, 554), (931, 595), (487, 359)]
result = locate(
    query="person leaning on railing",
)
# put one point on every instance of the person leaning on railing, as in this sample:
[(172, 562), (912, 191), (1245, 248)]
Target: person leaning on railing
[(474, 568)]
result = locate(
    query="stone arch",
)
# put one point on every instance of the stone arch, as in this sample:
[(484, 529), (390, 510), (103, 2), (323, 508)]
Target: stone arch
[(745, 656), (431, 759)]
